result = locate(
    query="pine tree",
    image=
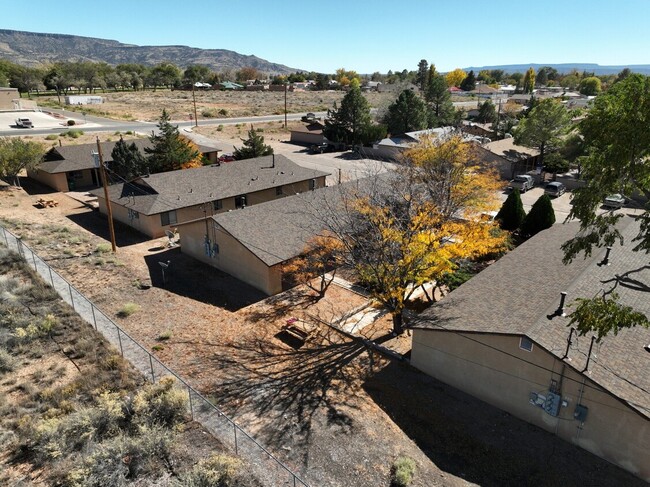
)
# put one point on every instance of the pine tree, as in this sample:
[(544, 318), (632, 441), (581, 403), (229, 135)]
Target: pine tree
[(408, 113), (170, 151), (350, 122), (469, 83), (441, 109), (540, 217), (512, 214), (253, 146), (128, 162), (422, 75), (487, 113)]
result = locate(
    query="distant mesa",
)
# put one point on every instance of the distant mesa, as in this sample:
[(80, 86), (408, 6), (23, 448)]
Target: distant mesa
[(33, 49), (564, 68)]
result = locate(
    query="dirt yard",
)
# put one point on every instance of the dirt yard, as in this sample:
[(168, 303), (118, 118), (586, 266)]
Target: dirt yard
[(147, 105), (335, 412)]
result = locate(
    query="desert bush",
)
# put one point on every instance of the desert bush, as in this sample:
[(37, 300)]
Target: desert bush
[(403, 471), (217, 470), (223, 112), (52, 137), (126, 457), (161, 404), (102, 248), (219, 127), (7, 361), (71, 123), (127, 310), (165, 336), (209, 112)]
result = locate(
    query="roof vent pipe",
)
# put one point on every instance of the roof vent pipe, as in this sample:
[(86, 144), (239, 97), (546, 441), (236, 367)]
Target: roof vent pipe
[(560, 310), (605, 261)]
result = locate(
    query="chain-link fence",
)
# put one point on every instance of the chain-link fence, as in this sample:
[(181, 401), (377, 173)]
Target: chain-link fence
[(268, 469)]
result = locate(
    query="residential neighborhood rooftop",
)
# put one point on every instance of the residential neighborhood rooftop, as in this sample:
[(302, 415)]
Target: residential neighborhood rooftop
[(519, 295), (172, 190), (509, 150)]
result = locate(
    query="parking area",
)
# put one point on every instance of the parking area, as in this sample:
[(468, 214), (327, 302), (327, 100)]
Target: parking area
[(40, 120)]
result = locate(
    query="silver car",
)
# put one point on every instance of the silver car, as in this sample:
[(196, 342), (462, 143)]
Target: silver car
[(614, 201), (555, 189)]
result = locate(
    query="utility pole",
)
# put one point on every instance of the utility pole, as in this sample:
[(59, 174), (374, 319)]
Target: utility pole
[(196, 121), (286, 87), (109, 209)]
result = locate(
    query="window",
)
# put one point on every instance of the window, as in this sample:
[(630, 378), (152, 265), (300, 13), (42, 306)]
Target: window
[(217, 205), (312, 184), (278, 191), (75, 174), (168, 218), (526, 343), (240, 201)]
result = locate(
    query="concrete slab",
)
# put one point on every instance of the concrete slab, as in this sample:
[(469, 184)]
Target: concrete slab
[(41, 120)]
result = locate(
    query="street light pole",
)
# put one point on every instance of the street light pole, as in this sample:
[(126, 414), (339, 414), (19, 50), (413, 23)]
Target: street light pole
[(196, 121), (286, 87)]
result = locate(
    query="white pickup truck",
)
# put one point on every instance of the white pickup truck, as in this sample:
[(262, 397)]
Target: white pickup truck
[(523, 183), (24, 123)]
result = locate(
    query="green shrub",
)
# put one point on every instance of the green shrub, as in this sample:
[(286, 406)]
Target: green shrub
[(165, 336), (71, 123), (52, 137), (403, 471), (161, 403), (128, 309), (102, 248), (223, 112), (217, 470), (512, 214), (7, 361), (219, 127), (209, 112), (540, 217)]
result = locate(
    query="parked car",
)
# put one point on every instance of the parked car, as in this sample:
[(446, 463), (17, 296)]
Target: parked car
[(310, 117), (614, 201), (226, 158), (24, 123), (320, 148), (555, 189), (523, 183)]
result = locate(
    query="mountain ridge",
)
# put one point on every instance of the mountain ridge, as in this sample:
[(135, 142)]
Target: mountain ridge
[(564, 68), (34, 49)]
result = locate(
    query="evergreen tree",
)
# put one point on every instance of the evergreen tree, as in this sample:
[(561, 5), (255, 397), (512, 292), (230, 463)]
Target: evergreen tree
[(487, 113), (512, 214), (128, 161), (441, 109), (253, 146), (170, 151), (350, 121), (540, 217), (422, 75), (408, 113), (469, 83)]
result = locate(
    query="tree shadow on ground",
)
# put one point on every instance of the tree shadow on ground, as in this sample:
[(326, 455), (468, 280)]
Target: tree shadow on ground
[(287, 390), (186, 276), (480, 443), (283, 304)]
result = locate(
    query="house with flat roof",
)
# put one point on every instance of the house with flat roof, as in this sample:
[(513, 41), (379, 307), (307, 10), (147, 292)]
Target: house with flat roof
[(72, 167), (509, 158), (158, 202), (504, 336)]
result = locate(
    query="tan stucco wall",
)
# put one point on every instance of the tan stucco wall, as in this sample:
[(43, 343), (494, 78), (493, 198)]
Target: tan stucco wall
[(233, 258), (612, 429), (151, 226), (306, 138), (55, 181)]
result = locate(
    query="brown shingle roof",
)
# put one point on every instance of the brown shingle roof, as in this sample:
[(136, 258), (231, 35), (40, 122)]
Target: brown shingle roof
[(507, 149), (78, 157), (516, 294), (189, 187)]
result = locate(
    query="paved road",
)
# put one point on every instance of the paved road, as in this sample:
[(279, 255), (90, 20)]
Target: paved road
[(90, 123)]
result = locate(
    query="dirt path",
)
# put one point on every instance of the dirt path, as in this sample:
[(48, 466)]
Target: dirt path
[(334, 412)]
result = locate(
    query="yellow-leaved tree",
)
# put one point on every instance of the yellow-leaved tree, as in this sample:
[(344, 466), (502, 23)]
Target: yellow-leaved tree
[(455, 77), (197, 160), (316, 266), (401, 229)]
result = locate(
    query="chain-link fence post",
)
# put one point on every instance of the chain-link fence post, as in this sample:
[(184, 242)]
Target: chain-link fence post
[(235, 429), (119, 339), (92, 309), (34, 259), (153, 376), (189, 393), (71, 299), (19, 244)]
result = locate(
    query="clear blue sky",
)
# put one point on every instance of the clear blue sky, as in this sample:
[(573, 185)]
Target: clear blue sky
[(365, 36)]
